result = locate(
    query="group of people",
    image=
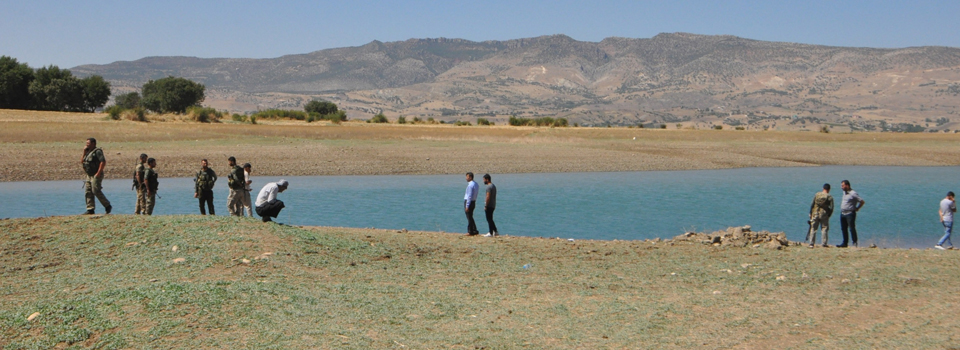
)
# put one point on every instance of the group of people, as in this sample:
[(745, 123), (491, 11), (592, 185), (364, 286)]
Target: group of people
[(489, 204), (822, 208), (146, 183)]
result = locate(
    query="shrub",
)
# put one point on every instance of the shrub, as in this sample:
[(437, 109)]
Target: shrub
[(239, 118), (401, 120), (417, 120), (379, 118), (114, 112), (336, 117), (137, 114), (740, 128), (663, 126), (253, 119), (542, 121), (320, 107), (128, 100), (461, 123), (204, 114), (825, 129), (431, 121), (280, 114), (718, 127), (483, 121), (171, 94)]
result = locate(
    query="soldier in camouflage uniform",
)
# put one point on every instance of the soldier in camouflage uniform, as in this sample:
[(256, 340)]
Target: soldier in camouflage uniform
[(138, 184), (151, 183), (93, 163), (820, 211), (236, 182), (203, 188)]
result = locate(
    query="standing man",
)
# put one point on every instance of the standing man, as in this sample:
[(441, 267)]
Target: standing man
[(489, 204), (849, 206), (245, 196), (138, 184), (267, 203), (236, 183), (93, 163), (203, 186), (151, 182), (470, 203), (947, 207), (820, 211)]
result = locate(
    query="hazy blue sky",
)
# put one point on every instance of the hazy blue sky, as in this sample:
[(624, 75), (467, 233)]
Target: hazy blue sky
[(70, 32)]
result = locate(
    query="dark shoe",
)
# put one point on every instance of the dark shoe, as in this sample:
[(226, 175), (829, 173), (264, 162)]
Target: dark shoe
[(108, 209), (88, 212), (266, 219), (841, 246)]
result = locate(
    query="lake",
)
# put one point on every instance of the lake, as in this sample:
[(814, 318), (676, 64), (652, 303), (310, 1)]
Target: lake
[(900, 211)]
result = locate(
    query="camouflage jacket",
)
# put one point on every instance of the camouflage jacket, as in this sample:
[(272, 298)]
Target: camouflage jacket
[(205, 180), (822, 205)]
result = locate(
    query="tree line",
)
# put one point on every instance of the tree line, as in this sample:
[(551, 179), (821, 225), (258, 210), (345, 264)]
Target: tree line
[(49, 88)]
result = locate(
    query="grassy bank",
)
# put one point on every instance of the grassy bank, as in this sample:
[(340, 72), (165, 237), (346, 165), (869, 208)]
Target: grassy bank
[(217, 282)]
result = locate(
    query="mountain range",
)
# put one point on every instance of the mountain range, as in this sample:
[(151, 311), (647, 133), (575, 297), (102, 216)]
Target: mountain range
[(674, 79)]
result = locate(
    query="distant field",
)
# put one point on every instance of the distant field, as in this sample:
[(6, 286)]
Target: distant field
[(48, 145), (122, 281)]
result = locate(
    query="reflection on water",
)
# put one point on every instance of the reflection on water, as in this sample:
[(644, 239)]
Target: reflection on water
[(901, 202)]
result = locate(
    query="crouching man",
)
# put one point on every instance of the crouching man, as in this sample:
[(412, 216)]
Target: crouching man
[(268, 206)]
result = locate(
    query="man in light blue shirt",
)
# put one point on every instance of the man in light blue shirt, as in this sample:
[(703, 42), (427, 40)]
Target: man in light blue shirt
[(947, 208), (470, 203)]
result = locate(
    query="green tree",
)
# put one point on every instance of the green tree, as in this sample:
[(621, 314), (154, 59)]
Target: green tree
[(15, 81), (128, 100), (171, 94), (55, 89), (322, 107), (96, 92)]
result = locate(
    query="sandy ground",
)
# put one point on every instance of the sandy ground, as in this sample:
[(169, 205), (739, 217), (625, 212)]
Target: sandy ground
[(48, 146)]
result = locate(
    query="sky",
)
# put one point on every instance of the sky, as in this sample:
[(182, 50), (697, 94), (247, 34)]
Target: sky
[(68, 33)]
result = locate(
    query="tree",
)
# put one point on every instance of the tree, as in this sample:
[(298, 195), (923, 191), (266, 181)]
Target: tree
[(171, 95), (55, 89), (128, 100), (96, 92), (15, 81), (322, 107)]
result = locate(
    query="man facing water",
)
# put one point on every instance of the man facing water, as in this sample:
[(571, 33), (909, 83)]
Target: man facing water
[(470, 203), (268, 206), (820, 211), (947, 207), (849, 206), (93, 163)]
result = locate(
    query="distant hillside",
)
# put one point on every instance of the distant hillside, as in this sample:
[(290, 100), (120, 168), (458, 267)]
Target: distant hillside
[(693, 80)]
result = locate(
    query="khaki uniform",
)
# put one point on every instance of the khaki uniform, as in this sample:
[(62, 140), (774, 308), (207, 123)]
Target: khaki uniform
[(236, 181), (92, 187), (150, 176), (820, 211), (141, 192)]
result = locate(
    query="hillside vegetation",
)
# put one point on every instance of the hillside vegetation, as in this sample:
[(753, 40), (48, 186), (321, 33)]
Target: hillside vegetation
[(117, 281)]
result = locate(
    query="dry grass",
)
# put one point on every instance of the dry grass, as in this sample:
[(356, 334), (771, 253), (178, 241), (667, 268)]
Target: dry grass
[(47, 146), (112, 282)]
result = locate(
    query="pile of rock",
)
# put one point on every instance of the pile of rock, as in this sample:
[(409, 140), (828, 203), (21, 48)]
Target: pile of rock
[(740, 236)]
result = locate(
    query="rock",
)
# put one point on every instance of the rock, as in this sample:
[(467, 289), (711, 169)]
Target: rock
[(131, 244), (781, 278), (717, 292), (33, 316), (805, 275), (179, 260), (175, 248), (774, 244), (746, 228), (874, 246), (844, 281), (245, 261)]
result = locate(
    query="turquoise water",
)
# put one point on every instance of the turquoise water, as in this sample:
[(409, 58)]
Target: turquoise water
[(900, 211)]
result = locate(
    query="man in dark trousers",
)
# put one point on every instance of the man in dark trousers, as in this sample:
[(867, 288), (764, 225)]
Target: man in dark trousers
[(203, 186), (470, 203), (268, 206), (849, 206), (489, 204), (93, 163)]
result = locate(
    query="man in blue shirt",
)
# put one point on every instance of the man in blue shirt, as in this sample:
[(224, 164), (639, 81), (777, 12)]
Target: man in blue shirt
[(849, 207), (947, 208), (470, 203)]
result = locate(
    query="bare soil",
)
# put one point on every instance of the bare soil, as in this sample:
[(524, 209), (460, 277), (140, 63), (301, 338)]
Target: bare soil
[(48, 146)]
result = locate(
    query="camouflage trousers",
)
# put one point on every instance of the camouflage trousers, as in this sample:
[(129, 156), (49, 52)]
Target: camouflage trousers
[(149, 201), (141, 201), (234, 202), (822, 222), (93, 188)]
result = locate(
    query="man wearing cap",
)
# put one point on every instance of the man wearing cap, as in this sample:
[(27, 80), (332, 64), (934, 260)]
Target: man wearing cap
[(236, 183), (820, 211), (245, 197), (268, 206)]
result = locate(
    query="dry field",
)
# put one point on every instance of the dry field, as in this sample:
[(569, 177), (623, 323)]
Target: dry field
[(48, 146), (122, 281)]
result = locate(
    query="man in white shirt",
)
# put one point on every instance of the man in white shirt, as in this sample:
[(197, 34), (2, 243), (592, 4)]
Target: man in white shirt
[(245, 197), (470, 203), (268, 205)]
